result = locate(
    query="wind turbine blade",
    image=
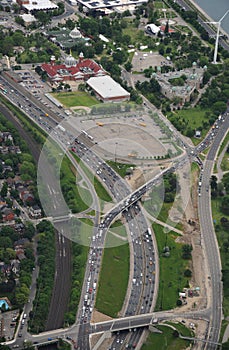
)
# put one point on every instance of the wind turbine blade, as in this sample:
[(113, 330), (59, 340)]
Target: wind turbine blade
[(223, 16)]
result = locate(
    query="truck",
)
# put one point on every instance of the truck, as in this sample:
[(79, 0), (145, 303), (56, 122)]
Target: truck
[(61, 127)]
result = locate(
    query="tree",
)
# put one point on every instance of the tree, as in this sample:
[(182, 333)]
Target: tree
[(186, 249), (225, 223), (43, 17), (5, 242), (225, 205), (188, 273), (179, 302), (98, 47), (225, 346), (4, 190), (67, 87), (16, 8), (128, 66), (225, 182), (120, 57), (81, 87), (213, 183)]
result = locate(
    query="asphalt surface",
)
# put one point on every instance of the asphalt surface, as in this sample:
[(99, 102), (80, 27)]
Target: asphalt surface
[(129, 204), (208, 235)]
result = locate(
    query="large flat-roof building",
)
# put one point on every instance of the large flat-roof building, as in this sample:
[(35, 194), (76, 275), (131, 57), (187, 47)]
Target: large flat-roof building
[(108, 90), (110, 5), (37, 5)]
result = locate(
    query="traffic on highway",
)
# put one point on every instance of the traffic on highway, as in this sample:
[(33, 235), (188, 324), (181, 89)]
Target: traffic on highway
[(144, 284)]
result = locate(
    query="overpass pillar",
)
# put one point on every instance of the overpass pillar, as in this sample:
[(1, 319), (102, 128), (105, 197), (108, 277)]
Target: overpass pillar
[(104, 336), (153, 329)]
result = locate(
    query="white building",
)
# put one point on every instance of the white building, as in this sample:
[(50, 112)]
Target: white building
[(37, 5), (108, 90), (152, 28)]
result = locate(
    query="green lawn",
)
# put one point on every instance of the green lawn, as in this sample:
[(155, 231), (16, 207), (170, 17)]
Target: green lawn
[(172, 269), (192, 118), (118, 228), (76, 98), (159, 5), (161, 211), (222, 236), (113, 279), (120, 168), (99, 188), (77, 198), (164, 341), (135, 34)]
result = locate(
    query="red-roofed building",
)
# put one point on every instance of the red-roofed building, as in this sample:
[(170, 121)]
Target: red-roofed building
[(170, 30), (83, 69)]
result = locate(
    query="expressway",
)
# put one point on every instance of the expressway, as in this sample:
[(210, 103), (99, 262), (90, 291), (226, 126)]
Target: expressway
[(209, 238), (142, 284), (118, 189), (131, 199)]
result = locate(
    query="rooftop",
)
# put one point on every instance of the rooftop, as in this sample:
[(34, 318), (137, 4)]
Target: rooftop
[(106, 87), (40, 5)]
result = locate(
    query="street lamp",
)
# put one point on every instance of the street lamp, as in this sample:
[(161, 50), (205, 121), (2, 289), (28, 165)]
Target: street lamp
[(115, 151)]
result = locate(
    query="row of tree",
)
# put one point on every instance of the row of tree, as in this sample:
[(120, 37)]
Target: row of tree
[(46, 261)]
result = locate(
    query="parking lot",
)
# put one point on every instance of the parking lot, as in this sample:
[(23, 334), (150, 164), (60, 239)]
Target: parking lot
[(142, 60), (126, 136), (30, 83), (9, 323)]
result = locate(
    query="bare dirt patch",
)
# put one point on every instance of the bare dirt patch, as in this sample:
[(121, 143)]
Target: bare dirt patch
[(99, 317)]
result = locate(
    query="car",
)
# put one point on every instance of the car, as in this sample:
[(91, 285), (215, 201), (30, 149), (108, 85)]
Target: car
[(20, 335)]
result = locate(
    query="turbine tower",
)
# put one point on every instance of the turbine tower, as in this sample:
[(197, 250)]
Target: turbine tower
[(217, 36)]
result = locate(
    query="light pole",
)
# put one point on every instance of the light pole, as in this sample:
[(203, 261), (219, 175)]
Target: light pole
[(115, 151)]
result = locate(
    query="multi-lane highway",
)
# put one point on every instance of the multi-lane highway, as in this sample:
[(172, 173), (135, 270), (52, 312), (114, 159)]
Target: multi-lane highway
[(209, 238), (143, 286)]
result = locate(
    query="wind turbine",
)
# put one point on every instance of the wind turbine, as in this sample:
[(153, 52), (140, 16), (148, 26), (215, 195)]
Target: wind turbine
[(217, 36)]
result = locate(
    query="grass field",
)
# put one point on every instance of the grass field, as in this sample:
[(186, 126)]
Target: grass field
[(172, 269), (161, 213), (194, 118), (222, 237), (135, 34), (119, 167), (76, 98), (113, 279), (99, 188), (77, 198), (164, 341), (118, 228)]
